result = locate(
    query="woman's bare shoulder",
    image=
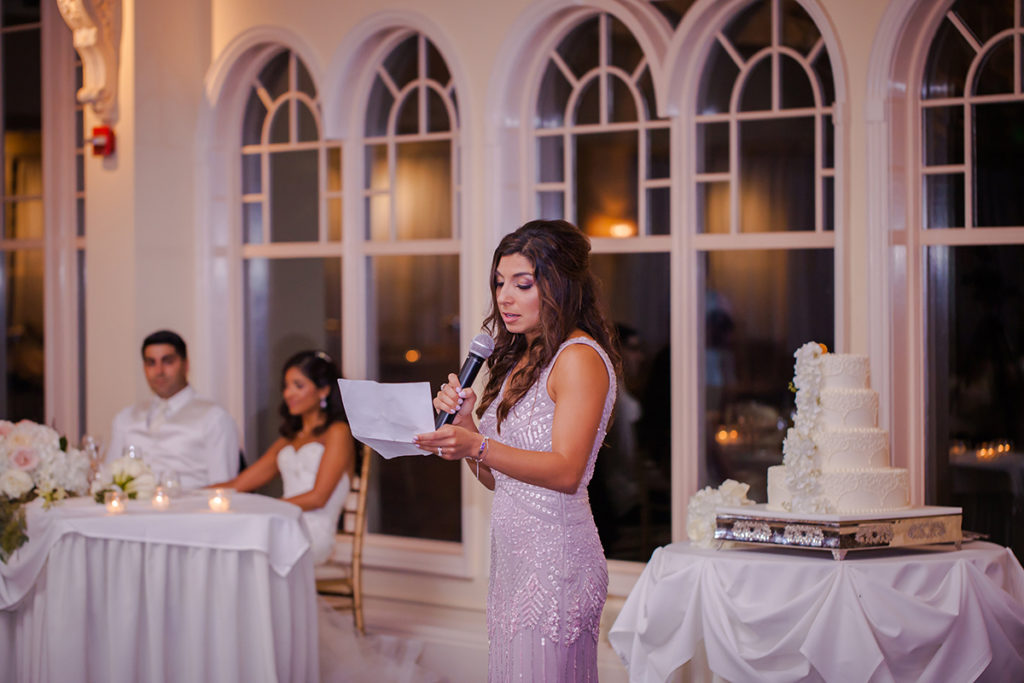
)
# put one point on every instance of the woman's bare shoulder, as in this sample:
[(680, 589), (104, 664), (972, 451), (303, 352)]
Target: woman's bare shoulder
[(338, 430), (580, 353), (581, 365)]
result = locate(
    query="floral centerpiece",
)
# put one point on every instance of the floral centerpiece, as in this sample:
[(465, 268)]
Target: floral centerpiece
[(127, 474), (35, 462), (700, 513)]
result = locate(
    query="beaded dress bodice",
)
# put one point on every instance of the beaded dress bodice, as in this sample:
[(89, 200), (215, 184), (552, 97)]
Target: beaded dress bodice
[(548, 571)]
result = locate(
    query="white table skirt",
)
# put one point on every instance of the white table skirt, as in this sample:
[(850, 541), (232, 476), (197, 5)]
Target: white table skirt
[(172, 607), (787, 615)]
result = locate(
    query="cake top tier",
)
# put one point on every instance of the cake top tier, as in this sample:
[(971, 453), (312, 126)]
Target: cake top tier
[(845, 371)]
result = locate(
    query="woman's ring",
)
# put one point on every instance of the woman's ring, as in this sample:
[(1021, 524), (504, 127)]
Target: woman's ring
[(440, 451)]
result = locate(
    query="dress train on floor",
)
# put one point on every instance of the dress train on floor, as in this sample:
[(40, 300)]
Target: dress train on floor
[(348, 657)]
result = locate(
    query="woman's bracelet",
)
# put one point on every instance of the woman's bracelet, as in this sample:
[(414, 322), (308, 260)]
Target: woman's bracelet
[(481, 455)]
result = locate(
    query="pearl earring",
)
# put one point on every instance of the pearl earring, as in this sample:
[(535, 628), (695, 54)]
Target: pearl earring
[(323, 403)]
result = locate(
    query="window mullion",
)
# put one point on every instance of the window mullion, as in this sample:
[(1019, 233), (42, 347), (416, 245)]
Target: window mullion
[(968, 167), (604, 99), (392, 153), (776, 27), (819, 209), (642, 227), (734, 177)]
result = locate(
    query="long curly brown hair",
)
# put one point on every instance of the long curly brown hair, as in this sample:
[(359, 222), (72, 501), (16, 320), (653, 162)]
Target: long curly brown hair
[(560, 254)]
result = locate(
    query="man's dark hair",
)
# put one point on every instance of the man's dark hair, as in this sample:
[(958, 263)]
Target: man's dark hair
[(166, 337)]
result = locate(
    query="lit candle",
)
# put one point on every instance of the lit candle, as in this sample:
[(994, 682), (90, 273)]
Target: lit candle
[(161, 501), (220, 500), (114, 502)]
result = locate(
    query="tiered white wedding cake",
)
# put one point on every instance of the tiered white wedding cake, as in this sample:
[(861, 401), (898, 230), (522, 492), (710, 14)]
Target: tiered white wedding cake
[(835, 458)]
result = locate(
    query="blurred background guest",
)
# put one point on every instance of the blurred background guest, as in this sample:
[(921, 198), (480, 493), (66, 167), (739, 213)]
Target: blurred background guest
[(174, 430)]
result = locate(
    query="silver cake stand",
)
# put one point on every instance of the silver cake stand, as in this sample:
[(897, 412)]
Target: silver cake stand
[(756, 525)]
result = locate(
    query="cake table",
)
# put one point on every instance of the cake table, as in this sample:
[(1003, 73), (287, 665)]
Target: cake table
[(777, 615)]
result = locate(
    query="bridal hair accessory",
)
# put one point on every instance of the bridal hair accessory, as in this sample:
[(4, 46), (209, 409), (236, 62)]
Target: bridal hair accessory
[(324, 357)]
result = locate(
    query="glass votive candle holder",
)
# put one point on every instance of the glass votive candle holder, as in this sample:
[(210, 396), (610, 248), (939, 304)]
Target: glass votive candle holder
[(161, 499), (114, 500), (220, 500)]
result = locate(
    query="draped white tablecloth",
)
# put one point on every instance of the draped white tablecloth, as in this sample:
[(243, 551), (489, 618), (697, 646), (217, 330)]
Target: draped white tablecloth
[(927, 614), (184, 594)]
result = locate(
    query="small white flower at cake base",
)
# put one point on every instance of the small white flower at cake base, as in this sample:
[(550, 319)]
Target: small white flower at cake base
[(703, 506), (35, 462), (130, 475), (799, 454)]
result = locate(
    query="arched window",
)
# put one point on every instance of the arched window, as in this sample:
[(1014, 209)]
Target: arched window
[(411, 232), (764, 220), (290, 235), (971, 232), (601, 160)]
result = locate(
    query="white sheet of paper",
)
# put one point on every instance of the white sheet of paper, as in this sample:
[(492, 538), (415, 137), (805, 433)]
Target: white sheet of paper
[(386, 416)]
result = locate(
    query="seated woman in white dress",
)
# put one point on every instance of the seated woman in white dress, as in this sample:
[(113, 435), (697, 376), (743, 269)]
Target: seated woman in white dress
[(315, 457), (315, 454)]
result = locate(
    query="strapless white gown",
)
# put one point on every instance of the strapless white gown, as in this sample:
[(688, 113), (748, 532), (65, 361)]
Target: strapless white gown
[(298, 470), (345, 656)]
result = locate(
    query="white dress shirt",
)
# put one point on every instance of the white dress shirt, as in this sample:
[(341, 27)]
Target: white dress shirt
[(185, 434)]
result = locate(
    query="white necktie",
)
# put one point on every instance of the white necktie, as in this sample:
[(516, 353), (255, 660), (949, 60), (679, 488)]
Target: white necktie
[(156, 420)]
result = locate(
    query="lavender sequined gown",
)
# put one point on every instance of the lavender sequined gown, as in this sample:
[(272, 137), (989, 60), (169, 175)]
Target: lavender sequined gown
[(549, 577)]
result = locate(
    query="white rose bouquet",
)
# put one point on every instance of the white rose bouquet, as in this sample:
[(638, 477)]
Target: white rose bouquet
[(700, 513), (130, 475), (35, 462)]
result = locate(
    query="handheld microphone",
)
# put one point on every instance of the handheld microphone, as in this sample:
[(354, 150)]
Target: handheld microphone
[(480, 349)]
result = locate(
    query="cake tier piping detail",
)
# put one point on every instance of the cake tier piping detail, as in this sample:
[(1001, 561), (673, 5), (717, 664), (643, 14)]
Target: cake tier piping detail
[(851, 491)]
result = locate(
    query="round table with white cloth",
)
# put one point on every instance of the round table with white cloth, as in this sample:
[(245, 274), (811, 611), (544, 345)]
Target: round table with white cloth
[(930, 613), (184, 594)]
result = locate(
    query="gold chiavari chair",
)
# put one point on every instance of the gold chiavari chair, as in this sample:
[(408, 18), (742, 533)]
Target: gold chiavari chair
[(336, 578)]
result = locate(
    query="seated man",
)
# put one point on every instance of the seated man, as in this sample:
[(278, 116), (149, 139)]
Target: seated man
[(176, 430)]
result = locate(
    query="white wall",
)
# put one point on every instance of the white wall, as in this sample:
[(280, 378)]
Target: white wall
[(140, 274)]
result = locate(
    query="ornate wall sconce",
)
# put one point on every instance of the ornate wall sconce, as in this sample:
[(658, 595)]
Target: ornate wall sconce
[(96, 28)]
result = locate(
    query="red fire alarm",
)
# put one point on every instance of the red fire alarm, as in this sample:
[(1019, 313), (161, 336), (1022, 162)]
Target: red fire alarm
[(102, 141)]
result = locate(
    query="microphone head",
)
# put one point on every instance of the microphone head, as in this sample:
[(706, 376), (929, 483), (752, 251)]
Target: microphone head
[(482, 345)]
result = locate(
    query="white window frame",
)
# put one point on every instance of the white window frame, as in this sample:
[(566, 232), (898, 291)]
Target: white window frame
[(382, 551), (683, 90), (672, 53), (60, 244), (343, 92), (643, 241), (446, 558), (623, 573), (291, 99), (899, 238), (265, 249)]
